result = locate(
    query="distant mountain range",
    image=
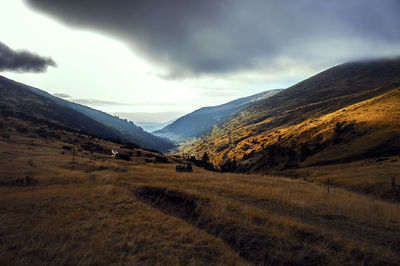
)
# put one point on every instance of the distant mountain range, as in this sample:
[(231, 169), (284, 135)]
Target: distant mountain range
[(153, 126), (200, 122), (17, 97), (346, 113)]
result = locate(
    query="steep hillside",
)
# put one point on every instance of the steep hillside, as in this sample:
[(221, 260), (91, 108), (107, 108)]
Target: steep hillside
[(17, 97), (326, 92), (201, 121), (349, 112)]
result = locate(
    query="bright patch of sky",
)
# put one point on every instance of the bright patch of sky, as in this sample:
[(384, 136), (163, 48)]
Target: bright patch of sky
[(107, 75)]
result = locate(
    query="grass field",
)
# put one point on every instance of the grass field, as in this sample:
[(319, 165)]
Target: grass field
[(99, 210)]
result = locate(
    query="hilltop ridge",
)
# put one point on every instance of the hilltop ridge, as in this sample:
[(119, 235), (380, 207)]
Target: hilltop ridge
[(17, 97)]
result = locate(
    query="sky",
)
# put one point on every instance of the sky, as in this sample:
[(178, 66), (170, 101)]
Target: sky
[(154, 60)]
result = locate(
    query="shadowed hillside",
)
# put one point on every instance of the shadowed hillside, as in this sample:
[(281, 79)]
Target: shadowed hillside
[(201, 121), (16, 97)]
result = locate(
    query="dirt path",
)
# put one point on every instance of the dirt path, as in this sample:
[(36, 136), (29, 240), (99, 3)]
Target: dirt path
[(256, 242), (331, 223), (335, 224)]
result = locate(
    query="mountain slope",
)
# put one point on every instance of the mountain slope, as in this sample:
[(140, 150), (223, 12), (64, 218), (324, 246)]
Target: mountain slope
[(286, 130), (201, 121), (18, 97)]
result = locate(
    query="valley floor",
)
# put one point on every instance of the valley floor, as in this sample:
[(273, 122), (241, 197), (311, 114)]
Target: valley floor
[(104, 211)]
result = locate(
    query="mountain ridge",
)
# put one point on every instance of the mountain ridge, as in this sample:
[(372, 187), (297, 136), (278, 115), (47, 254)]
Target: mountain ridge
[(90, 120)]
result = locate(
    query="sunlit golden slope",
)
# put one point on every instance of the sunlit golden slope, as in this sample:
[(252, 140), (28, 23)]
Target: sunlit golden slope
[(357, 131), (358, 123)]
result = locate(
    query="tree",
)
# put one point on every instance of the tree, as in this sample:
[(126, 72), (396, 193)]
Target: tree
[(229, 165), (205, 158)]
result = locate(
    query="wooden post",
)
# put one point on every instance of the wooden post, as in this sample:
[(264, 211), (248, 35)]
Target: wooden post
[(328, 183), (73, 158)]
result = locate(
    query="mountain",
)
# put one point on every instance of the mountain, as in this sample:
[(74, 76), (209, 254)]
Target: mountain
[(153, 126), (17, 97), (346, 113), (201, 121)]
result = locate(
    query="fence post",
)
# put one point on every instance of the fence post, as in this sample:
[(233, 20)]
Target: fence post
[(73, 158), (328, 183)]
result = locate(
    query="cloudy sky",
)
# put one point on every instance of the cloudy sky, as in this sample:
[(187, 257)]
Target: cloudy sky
[(169, 57)]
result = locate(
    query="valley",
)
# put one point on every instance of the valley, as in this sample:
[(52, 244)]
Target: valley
[(200, 122), (309, 175), (200, 133)]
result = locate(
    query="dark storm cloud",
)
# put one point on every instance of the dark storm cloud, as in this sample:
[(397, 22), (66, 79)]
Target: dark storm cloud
[(22, 61), (193, 37)]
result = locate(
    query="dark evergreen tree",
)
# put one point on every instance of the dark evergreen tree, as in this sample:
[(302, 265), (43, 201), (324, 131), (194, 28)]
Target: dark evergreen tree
[(205, 158)]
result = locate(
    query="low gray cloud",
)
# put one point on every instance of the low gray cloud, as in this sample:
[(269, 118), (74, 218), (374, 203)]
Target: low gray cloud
[(193, 38), (150, 117), (22, 61), (94, 102), (62, 95)]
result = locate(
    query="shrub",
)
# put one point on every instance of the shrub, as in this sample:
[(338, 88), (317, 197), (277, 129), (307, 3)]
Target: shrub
[(229, 165), (161, 159), (184, 168), (121, 156), (22, 182), (130, 146), (67, 148), (22, 129), (93, 147)]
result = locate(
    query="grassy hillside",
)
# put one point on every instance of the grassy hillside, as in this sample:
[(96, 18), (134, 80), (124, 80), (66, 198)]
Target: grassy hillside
[(58, 206), (367, 129), (325, 119), (17, 97)]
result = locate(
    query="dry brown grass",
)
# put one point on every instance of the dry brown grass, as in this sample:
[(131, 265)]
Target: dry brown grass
[(107, 211), (373, 176)]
